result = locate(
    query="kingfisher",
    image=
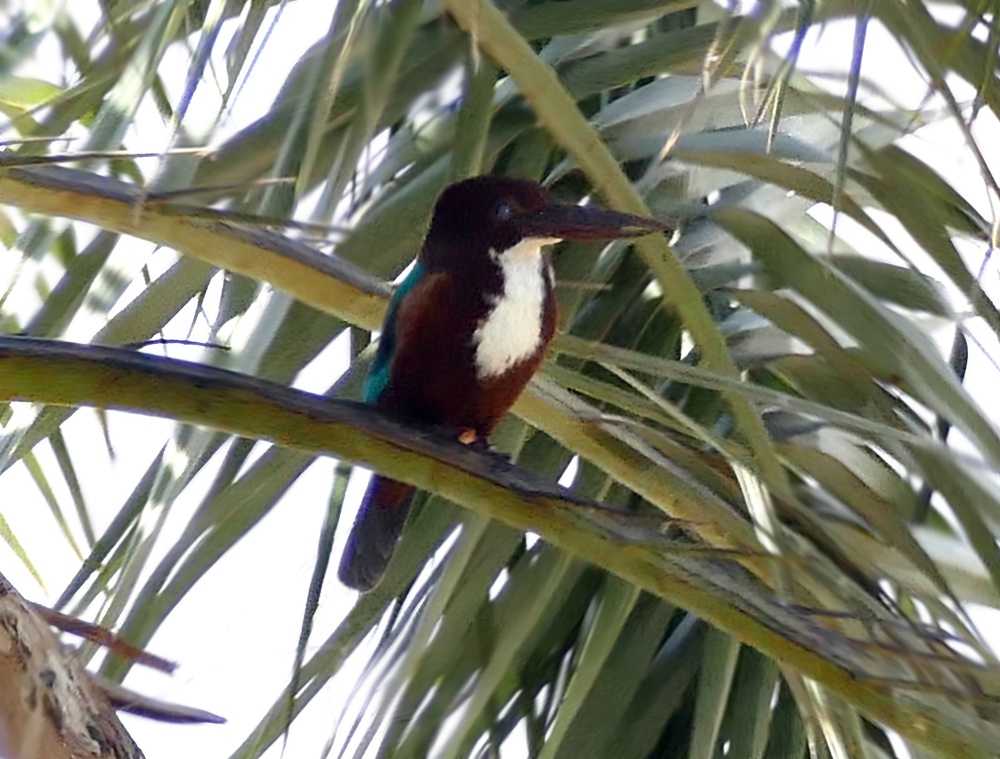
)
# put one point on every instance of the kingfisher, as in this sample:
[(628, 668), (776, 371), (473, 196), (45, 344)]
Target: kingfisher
[(466, 329)]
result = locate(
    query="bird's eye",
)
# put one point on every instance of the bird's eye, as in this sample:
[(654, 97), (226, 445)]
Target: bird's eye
[(503, 210)]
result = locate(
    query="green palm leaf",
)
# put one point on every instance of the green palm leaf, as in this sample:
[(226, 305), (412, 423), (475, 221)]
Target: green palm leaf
[(782, 501)]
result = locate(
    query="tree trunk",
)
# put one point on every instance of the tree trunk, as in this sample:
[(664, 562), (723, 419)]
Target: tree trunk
[(49, 709)]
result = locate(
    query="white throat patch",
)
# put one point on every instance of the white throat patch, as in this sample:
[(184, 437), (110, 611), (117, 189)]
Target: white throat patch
[(512, 330)]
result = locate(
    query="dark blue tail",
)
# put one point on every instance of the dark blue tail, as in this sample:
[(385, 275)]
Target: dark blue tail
[(375, 533)]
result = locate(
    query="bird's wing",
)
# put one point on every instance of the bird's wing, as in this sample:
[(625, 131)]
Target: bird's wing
[(378, 373)]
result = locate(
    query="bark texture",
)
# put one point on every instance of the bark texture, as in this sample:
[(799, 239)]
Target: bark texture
[(49, 708)]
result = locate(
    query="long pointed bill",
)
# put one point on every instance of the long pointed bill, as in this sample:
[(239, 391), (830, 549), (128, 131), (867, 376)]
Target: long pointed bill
[(586, 223)]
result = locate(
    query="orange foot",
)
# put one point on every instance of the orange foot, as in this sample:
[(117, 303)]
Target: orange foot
[(482, 444)]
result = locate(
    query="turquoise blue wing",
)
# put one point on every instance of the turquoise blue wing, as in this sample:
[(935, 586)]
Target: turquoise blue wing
[(378, 373)]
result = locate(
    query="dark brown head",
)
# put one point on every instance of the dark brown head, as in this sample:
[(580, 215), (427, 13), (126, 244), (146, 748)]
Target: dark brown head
[(477, 220)]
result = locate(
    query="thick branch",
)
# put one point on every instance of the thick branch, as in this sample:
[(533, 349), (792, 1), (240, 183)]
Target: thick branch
[(324, 282), (713, 588)]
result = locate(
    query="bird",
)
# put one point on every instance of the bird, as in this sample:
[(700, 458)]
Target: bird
[(466, 329)]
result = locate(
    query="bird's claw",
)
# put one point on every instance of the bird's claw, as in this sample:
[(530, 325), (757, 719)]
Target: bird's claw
[(472, 439), (483, 445)]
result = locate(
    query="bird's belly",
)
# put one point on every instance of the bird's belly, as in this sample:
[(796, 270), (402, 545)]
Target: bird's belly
[(447, 391)]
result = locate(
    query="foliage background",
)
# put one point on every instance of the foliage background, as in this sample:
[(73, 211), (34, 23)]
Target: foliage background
[(806, 401)]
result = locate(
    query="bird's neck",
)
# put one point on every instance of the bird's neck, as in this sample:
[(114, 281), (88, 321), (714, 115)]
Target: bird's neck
[(519, 292)]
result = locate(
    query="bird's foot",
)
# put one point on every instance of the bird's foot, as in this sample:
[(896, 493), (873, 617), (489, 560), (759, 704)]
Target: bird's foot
[(473, 439), (483, 445)]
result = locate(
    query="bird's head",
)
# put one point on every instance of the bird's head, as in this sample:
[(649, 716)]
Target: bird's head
[(489, 217)]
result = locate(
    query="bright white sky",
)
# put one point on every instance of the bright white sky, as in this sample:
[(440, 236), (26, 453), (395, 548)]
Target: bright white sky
[(235, 633)]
